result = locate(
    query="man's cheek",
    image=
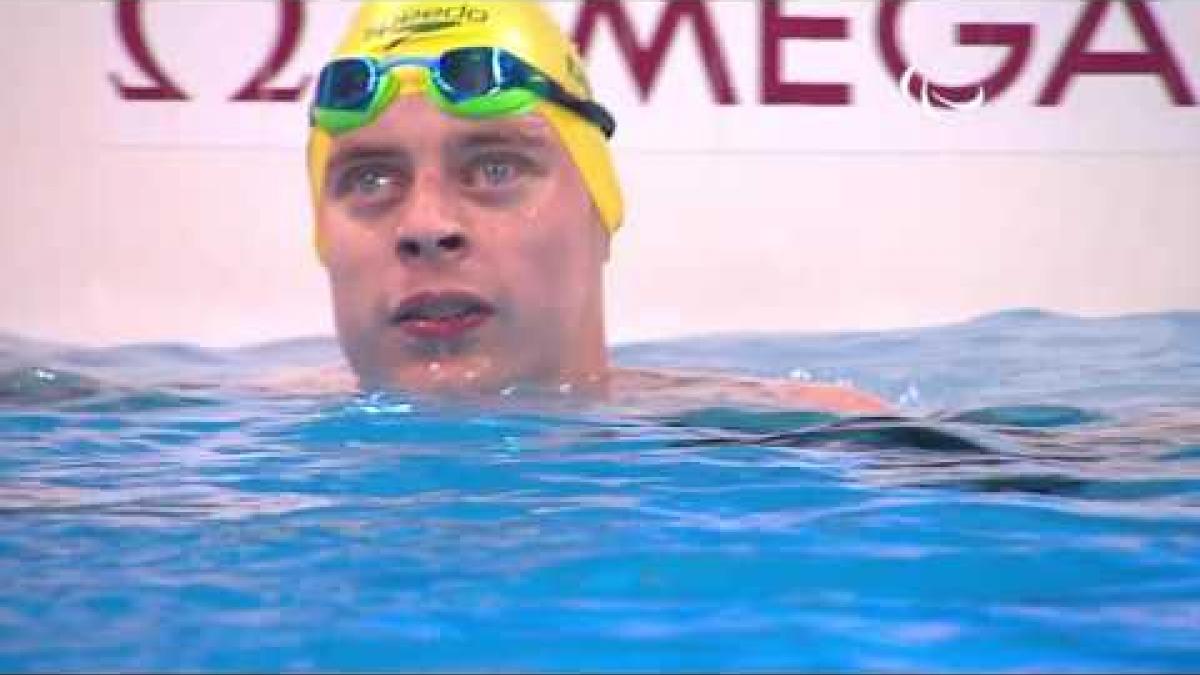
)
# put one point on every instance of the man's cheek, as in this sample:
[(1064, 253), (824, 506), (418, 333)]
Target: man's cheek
[(547, 252), (352, 264), (353, 296), (351, 241)]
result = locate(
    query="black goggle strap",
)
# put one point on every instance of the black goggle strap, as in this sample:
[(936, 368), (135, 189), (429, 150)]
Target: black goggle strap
[(589, 110)]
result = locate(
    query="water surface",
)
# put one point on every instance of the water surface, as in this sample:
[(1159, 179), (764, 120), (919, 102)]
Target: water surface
[(1035, 506)]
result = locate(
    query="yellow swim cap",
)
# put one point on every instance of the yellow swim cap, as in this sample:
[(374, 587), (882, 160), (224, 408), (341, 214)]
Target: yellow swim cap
[(383, 28)]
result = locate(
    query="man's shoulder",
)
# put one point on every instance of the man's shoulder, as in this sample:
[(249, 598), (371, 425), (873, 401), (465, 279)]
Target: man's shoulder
[(334, 378), (660, 387), (641, 388)]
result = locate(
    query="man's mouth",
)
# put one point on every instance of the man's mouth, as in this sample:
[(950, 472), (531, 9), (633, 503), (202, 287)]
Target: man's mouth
[(441, 315)]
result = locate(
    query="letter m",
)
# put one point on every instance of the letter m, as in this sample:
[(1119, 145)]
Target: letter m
[(646, 62)]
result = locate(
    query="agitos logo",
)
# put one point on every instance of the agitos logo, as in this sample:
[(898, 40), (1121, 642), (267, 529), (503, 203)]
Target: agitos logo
[(1077, 57)]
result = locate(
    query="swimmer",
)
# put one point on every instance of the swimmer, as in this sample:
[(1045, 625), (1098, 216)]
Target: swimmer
[(465, 203)]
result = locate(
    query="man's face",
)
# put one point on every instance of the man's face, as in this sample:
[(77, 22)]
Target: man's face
[(462, 254)]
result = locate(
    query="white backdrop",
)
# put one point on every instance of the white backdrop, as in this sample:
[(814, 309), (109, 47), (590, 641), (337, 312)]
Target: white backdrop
[(188, 219)]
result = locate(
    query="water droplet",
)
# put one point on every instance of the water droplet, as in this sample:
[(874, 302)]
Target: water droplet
[(800, 374), (911, 395)]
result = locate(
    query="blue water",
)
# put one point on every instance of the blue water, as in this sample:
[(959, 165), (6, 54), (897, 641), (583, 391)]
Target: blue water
[(1034, 506)]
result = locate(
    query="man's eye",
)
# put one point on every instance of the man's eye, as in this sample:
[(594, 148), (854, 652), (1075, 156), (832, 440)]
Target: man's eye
[(370, 182), (496, 171)]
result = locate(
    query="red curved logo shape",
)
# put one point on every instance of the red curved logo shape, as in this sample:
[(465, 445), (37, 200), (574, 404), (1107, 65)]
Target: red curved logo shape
[(161, 87)]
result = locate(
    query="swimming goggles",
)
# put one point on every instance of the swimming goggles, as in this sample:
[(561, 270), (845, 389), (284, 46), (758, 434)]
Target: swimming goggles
[(475, 82)]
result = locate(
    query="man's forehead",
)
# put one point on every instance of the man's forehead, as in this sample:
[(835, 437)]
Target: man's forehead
[(530, 129), (518, 135), (415, 123)]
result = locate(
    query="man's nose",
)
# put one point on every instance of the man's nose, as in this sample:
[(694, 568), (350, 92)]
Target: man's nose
[(431, 230), (431, 244)]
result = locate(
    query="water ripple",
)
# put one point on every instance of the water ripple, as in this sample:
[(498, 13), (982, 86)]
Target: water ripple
[(1033, 505)]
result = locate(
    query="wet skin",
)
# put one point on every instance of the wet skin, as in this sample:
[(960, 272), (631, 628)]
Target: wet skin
[(463, 255)]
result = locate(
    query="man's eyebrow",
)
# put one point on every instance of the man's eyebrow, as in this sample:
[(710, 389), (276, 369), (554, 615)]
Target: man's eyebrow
[(492, 138), (354, 153)]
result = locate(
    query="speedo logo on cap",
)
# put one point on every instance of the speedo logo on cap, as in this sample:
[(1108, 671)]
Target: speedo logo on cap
[(427, 20)]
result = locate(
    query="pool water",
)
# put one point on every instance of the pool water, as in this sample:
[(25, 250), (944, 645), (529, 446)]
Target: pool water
[(1035, 506)]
